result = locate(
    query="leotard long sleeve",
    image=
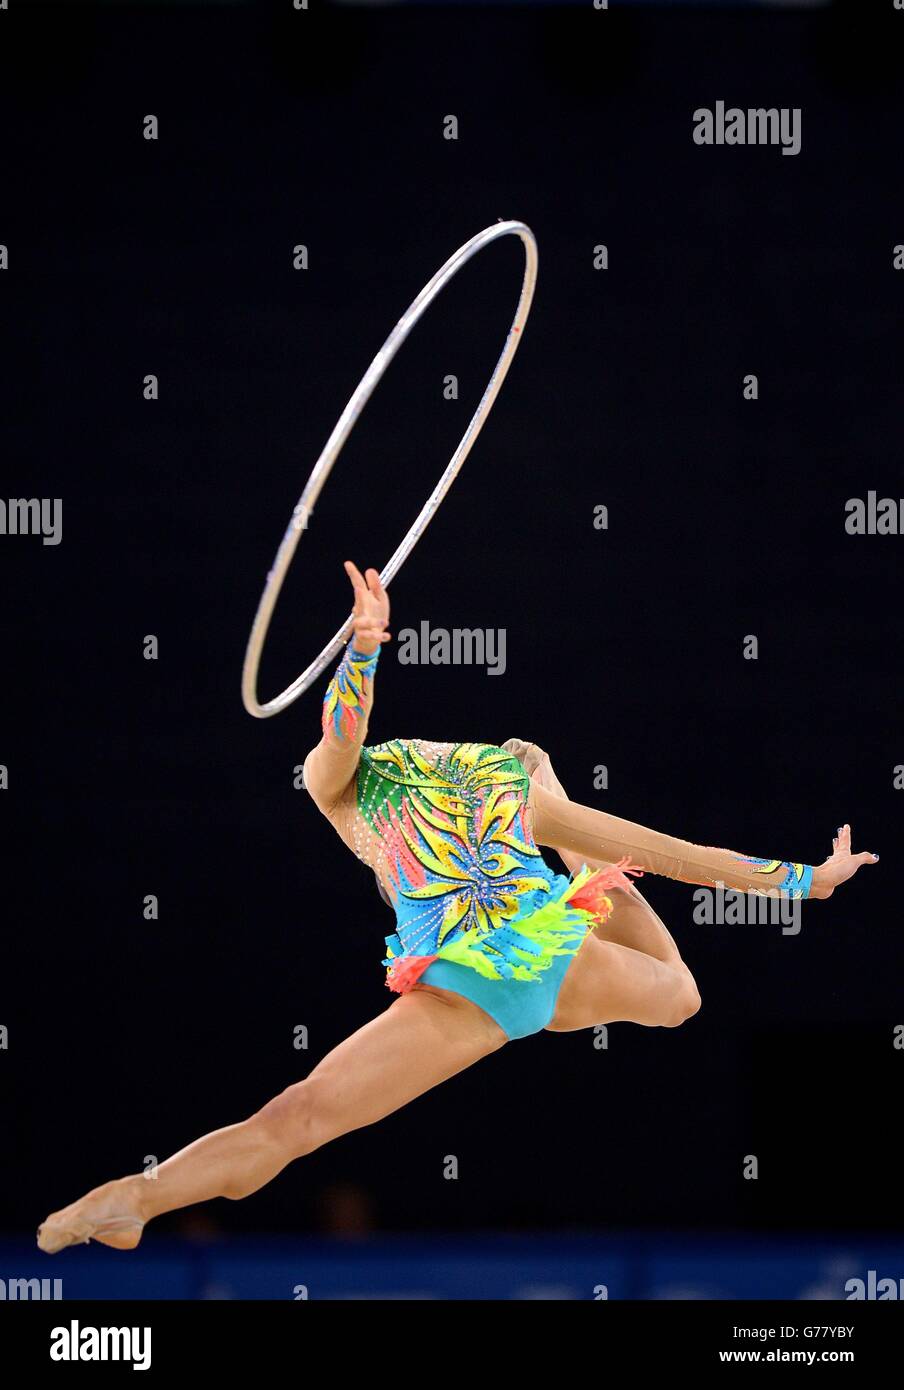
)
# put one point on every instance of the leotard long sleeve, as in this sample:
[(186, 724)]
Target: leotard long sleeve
[(330, 769), (600, 838)]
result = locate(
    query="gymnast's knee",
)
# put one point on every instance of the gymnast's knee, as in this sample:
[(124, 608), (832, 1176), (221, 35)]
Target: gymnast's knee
[(296, 1121), (684, 1004)]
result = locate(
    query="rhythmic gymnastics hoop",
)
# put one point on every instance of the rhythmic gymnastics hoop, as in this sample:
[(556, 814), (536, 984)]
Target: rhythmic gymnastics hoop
[(343, 428)]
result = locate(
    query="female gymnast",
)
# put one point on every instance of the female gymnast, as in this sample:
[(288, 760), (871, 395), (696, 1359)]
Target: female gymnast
[(490, 944)]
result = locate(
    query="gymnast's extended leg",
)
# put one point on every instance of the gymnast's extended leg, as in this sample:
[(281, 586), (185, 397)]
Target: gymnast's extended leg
[(423, 1038)]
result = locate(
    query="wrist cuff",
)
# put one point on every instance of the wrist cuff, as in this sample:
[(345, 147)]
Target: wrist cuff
[(797, 881), (361, 658)]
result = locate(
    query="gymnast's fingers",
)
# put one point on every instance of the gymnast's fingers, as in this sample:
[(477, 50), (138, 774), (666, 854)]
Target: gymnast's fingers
[(354, 575), (359, 586)]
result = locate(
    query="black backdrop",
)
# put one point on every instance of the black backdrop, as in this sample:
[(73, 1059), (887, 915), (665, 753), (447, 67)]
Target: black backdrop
[(624, 647)]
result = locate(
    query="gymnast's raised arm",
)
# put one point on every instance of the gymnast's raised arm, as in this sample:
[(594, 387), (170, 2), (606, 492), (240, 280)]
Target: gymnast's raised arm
[(331, 766)]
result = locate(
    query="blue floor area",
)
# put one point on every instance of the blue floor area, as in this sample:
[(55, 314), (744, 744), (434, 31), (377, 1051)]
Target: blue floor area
[(478, 1267)]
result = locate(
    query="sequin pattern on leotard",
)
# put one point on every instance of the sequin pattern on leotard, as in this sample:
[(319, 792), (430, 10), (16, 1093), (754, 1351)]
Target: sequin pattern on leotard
[(467, 880), (458, 852)]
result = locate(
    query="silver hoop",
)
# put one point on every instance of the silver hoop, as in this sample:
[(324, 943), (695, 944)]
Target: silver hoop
[(304, 509)]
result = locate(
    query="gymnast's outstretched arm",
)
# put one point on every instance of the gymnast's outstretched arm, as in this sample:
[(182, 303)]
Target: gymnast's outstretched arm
[(331, 766), (595, 835)]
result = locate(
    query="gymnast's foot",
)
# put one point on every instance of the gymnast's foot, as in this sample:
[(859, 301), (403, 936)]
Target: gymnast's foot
[(840, 865), (110, 1213)]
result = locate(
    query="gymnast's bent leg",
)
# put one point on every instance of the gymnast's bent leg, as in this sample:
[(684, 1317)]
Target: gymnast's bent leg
[(608, 983), (628, 970), (604, 981)]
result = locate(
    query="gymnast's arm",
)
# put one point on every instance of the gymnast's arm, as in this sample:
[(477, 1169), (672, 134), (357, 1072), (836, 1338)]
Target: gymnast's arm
[(598, 837), (333, 764)]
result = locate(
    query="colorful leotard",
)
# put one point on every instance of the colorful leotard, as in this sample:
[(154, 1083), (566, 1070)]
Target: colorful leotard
[(452, 832), (467, 881)]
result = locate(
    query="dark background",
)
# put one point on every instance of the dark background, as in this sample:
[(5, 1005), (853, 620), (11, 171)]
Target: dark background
[(130, 777)]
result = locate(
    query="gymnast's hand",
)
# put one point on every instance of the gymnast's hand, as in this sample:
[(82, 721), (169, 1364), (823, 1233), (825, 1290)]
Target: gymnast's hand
[(840, 865), (371, 611)]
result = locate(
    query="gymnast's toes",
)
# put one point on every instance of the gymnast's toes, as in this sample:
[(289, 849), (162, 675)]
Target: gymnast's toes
[(108, 1214)]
